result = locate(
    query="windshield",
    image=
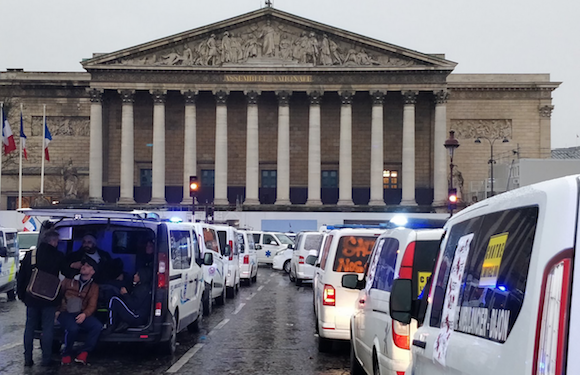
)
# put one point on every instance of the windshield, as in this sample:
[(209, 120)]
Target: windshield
[(27, 240), (284, 239)]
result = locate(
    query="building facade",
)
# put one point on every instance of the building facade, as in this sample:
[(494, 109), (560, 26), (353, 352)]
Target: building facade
[(269, 108)]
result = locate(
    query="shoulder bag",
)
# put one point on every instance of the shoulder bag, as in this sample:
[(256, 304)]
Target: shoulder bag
[(42, 284)]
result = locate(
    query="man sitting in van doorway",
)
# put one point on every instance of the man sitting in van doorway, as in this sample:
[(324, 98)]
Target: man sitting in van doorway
[(88, 249), (77, 309), (132, 308)]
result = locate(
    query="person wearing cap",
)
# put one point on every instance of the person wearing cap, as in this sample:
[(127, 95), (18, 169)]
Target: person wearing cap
[(88, 249), (76, 311)]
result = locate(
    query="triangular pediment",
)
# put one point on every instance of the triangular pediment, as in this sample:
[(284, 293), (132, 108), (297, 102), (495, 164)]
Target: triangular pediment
[(267, 38)]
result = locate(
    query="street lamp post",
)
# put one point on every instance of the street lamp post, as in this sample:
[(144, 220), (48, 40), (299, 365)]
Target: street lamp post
[(451, 144), (491, 160)]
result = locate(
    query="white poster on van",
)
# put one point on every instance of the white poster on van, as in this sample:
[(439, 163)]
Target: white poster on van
[(451, 297)]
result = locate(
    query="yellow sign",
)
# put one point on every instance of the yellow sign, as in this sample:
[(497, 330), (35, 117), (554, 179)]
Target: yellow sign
[(422, 278), (492, 261), (245, 78)]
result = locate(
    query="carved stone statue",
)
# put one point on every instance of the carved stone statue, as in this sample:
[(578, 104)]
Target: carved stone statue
[(71, 180)]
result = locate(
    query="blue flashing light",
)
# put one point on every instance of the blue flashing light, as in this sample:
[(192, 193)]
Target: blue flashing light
[(502, 288), (399, 220), (175, 219)]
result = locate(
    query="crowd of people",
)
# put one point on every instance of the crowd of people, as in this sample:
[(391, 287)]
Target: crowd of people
[(90, 278)]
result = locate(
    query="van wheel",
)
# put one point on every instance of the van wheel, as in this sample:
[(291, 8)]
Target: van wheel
[(222, 298), (254, 278), (207, 301), (287, 266), (376, 369), (324, 345), (11, 295), (168, 347), (298, 282), (355, 367), (230, 292), (291, 277)]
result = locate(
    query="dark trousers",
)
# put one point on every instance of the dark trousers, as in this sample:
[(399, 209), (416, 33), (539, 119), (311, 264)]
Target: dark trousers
[(37, 317), (91, 326), (119, 312)]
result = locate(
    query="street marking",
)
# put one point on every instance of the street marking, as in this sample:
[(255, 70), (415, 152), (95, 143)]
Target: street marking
[(9, 346), (219, 326), (272, 275), (250, 297), (266, 282), (239, 308), (261, 287), (186, 357)]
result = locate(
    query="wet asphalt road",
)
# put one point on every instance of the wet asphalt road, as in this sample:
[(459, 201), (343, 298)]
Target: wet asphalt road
[(268, 328)]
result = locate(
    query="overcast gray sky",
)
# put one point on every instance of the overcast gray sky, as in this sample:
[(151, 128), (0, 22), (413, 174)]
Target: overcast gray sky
[(491, 36)]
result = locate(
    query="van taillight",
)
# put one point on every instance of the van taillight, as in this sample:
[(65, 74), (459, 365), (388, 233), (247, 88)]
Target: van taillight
[(231, 250), (401, 335), (161, 275), (552, 326), (158, 309), (406, 271), (246, 259), (329, 295), (300, 259)]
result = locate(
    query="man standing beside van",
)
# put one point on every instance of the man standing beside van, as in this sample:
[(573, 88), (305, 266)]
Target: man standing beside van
[(76, 312), (49, 260)]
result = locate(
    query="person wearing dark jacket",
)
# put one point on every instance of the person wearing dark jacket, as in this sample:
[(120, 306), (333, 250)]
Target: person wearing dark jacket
[(88, 249), (40, 312), (132, 309)]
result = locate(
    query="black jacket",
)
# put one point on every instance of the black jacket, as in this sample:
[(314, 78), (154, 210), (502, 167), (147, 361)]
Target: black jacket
[(48, 259), (139, 300)]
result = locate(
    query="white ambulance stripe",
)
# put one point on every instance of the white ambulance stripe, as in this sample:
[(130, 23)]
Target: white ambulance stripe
[(186, 357)]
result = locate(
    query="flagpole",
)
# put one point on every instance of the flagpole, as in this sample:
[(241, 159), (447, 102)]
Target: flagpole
[(20, 168), (43, 135)]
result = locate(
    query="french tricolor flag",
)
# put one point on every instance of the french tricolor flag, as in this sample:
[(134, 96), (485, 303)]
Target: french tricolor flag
[(7, 137), (23, 137), (47, 139)]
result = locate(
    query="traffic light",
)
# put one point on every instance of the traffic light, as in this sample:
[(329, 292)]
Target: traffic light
[(452, 199), (193, 186)]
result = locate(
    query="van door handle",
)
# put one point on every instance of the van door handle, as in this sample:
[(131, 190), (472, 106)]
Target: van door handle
[(420, 344), (191, 281)]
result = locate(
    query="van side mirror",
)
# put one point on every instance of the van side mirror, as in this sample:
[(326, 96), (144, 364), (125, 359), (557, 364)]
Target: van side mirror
[(351, 281), (258, 247), (208, 259), (401, 302), (311, 259), (3, 251), (227, 250)]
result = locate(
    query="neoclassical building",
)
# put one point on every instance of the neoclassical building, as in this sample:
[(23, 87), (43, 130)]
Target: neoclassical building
[(269, 108)]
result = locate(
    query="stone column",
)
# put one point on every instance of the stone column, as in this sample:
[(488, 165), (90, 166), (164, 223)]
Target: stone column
[(408, 178), (545, 109), (377, 157), (252, 151), (283, 166), (96, 148), (127, 148), (158, 172), (221, 149), (440, 183), (345, 151), (189, 143), (314, 151)]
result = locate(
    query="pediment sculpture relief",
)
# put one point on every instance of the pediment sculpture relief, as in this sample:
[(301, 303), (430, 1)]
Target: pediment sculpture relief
[(267, 43)]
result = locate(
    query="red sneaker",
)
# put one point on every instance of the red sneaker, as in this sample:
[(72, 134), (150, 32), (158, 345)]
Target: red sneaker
[(82, 358), (66, 360)]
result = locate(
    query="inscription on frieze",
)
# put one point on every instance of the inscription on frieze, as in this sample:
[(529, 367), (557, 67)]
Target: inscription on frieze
[(470, 129), (267, 78)]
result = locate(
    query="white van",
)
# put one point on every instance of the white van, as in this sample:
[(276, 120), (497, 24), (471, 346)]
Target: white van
[(345, 251), (248, 257), (379, 344), (9, 262), (214, 273), (177, 286), (502, 300), (306, 241), (271, 243), (228, 239)]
